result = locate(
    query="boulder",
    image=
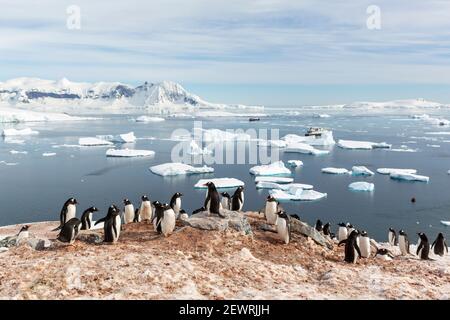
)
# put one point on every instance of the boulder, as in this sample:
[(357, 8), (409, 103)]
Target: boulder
[(308, 231), (90, 236), (233, 219), (33, 242)]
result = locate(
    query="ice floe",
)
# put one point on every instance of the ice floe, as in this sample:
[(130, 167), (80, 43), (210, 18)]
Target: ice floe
[(91, 141), (149, 119), (217, 135), (445, 223), (195, 149), (177, 168), (300, 147), (284, 187), (403, 148), (272, 143), (352, 144), (299, 195), (48, 154), (8, 163), (18, 152), (321, 115), (220, 183), (273, 179), (361, 186), (408, 177), (120, 138), (128, 153), (331, 170), (18, 132), (361, 171), (295, 163), (325, 139), (273, 169), (14, 115), (394, 170)]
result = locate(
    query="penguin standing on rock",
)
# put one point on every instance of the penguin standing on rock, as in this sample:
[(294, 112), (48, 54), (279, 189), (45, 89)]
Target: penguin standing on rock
[(137, 216), (158, 216), (392, 237), (128, 212), (168, 220), (226, 201), (283, 224), (364, 244), (212, 201), (69, 231), (175, 203), (68, 212), (271, 209), (342, 231), (86, 218), (440, 245), (319, 225), (327, 230), (423, 250), (146, 210), (352, 251), (237, 200), (403, 242), (112, 224), (23, 233)]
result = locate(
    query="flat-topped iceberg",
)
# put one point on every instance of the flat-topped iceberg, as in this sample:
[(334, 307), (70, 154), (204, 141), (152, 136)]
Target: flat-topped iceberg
[(272, 143), (289, 186), (295, 163), (177, 168), (445, 223), (217, 135), (321, 115), (91, 141), (361, 171), (409, 177), (361, 186), (300, 195), (49, 154), (391, 170), (18, 152), (220, 183), (149, 119), (304, 148), (128, 153), (273, 169), (273, 179), (18, 132), (119, 138), (353, 144), (325, 139), (331, 170)]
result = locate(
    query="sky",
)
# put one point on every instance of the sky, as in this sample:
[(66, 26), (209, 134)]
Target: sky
[(265, 52)]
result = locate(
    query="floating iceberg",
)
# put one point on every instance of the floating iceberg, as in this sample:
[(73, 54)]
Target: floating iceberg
[(393, 170), (290, 186), (361, 171), (272, 143), (18, 152), (90, 141), (321, 115), (332, 170), (177, 168), (48, 154), (352, 144), (381, 145), (361, 186), (195, 149), (216, 135), (403, 148), (8, 163), (220, 183), (300, 195), (325, 139), (16, 132), (129, 153), (409, 177), (304, 148), (273, 179), (273, 169), (149, 119), (120, 138), (295, 163), (445, 223)]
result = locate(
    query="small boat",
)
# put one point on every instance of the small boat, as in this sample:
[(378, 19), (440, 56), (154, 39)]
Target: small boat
[(253, 119), (315, 131)]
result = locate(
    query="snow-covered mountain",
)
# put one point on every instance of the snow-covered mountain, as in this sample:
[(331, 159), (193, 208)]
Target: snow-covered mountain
[(81, 97)]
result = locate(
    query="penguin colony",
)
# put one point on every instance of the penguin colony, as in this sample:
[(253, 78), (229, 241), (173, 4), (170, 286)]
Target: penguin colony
[(163, 217)]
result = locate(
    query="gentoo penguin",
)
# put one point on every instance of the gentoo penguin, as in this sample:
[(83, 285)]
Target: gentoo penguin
[(403, 242), (237, 200), (319, 225), (183, 215), (326, 229), (112, 224), (364, 244), (23, 233), (384, 254), (439, 245), (392, 237), (271, 210), (168, 220), (86, 218), (69, 231), (283, 226), (128, 212), (175, 203), (352, 251), (423, 250), (68, 212), (349, 227), (198, 210), (137, 216), (158, 216), (342, 232), (226, 201), (212, 201), (146, 210)]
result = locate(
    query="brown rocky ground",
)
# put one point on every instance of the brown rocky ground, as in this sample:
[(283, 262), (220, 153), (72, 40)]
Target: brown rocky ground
[(198, 264)]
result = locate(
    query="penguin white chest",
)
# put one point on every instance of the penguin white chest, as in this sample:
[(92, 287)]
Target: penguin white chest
[(71, 212), (342, 233), (283, 230), (402, 245), (118, 226), (146, 210), (129, 213), (22, 235), (225, 203), (241, 201), (391, 238), (168, 222), (364, 246), (271, 212)]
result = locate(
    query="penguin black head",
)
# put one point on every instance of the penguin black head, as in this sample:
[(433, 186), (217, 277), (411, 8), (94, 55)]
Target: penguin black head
[(24, 228), (182, 211), (402, 233), (282, 214), (423, 236), (413, 199), (354, 234), (349, 225), (226, 195), (126, 201), (391, 230), (240, 188), (210, 185), (156, 203), (382, 251), (440, 236), (72, 201), (113, 209), (166, 206), (341, 224), (178, 194), (271, 198), (363, 233), (144, 198)]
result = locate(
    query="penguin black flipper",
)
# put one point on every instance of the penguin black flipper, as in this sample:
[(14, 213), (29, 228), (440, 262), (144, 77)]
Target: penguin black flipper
[(432, 245), (445, 246), (419, 247), (208, 198), (100, 220), (58, 228), (342, 242), (114, 227), (357, 249), (136, 215)]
